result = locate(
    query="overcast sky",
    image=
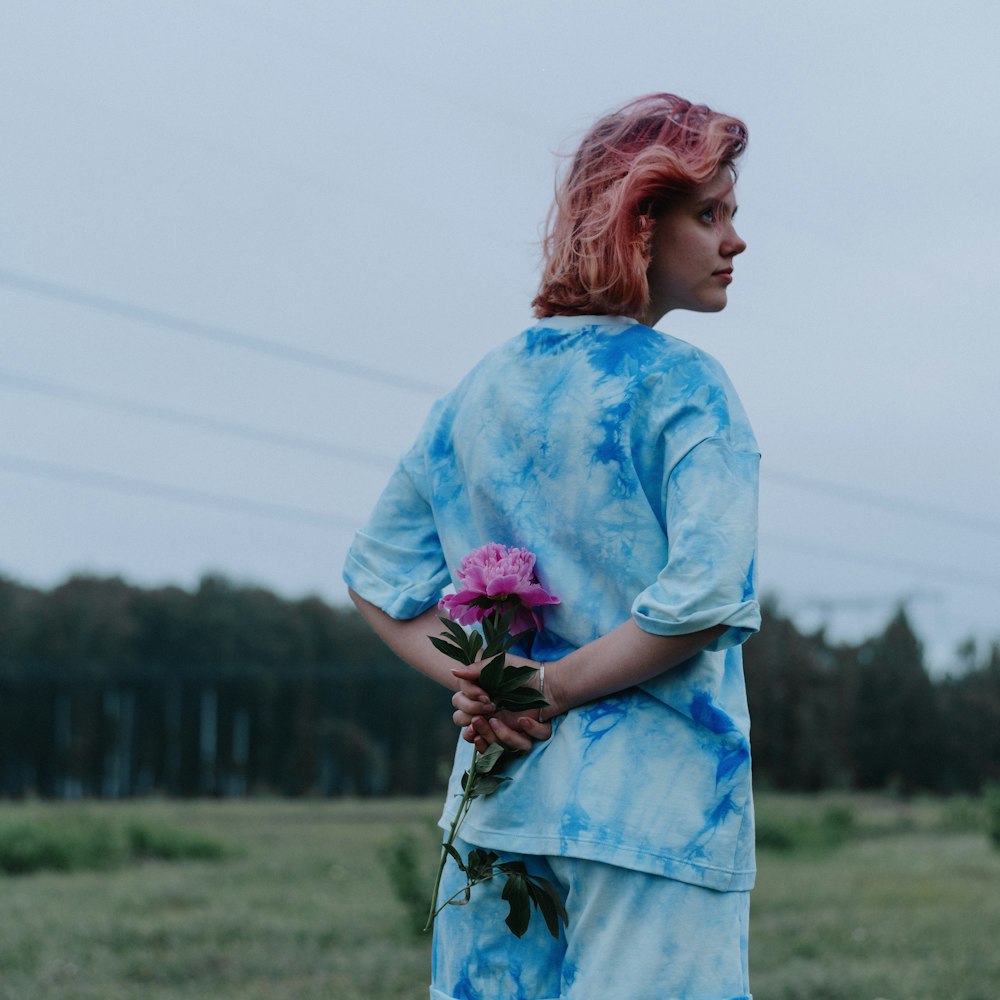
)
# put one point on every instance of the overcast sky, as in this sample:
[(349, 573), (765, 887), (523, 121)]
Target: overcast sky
[(244, 245)]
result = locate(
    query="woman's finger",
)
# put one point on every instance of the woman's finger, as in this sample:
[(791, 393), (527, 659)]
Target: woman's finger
[(470, 706), (483, 732), (512, 739), (472, 690), (535, 729)]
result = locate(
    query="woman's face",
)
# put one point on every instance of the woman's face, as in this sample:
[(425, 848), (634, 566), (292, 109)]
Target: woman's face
[(693, 247)]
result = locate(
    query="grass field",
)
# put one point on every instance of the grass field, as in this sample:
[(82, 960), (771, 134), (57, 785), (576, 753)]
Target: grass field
[(905, 907)]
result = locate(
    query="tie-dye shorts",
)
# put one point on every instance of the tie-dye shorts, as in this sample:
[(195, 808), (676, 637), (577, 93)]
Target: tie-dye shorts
[(631, 936)]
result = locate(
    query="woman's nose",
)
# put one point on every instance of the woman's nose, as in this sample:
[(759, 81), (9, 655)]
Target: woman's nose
[(735, 244)]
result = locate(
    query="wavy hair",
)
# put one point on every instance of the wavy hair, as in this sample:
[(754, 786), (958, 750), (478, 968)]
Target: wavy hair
[(634, 161)]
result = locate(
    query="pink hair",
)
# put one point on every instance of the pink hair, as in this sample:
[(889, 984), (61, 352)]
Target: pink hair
[(597, 241)]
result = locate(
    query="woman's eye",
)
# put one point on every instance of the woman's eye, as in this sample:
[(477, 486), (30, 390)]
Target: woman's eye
[(707, 215)]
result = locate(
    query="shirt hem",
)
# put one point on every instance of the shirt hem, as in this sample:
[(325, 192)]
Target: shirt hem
[(636, 859)]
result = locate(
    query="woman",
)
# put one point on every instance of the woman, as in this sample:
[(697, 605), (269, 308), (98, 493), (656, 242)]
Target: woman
[(623, 459)]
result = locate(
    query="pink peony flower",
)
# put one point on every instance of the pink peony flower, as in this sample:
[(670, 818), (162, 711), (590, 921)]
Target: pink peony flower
[(495, 577)]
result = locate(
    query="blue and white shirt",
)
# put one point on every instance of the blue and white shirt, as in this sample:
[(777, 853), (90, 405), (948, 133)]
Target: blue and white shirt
[(623, 459)]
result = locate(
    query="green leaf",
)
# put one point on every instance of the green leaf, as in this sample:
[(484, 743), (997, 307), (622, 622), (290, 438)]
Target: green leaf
[(513, 867), (497, 633), (480, 864), (516, 674), (450, 848), (491, 675), (468, 642), (515, 892), (544, 895), (520, 699), (491, 628), (489, 758), (475, 645), (449, 649), (486, 784), (459, 632), (452, 626)]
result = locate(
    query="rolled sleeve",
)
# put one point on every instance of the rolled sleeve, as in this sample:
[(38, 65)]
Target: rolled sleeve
[(710, 501), (396, 561)]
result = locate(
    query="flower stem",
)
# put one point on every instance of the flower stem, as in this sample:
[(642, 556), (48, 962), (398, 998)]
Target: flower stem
[(463, 808), (465, 888)]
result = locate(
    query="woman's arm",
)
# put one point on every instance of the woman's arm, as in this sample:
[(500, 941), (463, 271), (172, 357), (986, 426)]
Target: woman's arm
[(408, 639), (622, 658)]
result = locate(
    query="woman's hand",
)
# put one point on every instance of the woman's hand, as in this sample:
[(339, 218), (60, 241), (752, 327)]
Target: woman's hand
[(483, 726), (469, 701), (512, 730)]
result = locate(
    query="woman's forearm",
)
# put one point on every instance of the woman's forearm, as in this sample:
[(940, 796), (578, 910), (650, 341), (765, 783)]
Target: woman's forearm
[(408, 639), (620, 659)]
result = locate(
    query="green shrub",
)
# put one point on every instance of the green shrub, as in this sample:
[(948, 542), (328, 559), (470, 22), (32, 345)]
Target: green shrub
[(803, 831), (774, 834), (77, 842), (963, 814), (991, 799), (146, 840), (406, 858), (837, 823)]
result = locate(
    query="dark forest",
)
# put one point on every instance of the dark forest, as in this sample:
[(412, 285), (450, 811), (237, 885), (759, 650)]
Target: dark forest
[(112, 690)]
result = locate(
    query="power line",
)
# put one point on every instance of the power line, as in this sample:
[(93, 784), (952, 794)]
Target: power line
[(863, 602), (132, 486), (62, 390), (206, 331), (874, 498), (48, 289), (962, 577)]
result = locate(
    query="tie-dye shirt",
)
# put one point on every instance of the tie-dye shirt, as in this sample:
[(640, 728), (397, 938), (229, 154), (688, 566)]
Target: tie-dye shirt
[(623, 458)]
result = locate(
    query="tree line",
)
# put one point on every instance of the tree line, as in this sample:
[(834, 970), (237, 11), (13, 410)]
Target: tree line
[(108, 689)]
